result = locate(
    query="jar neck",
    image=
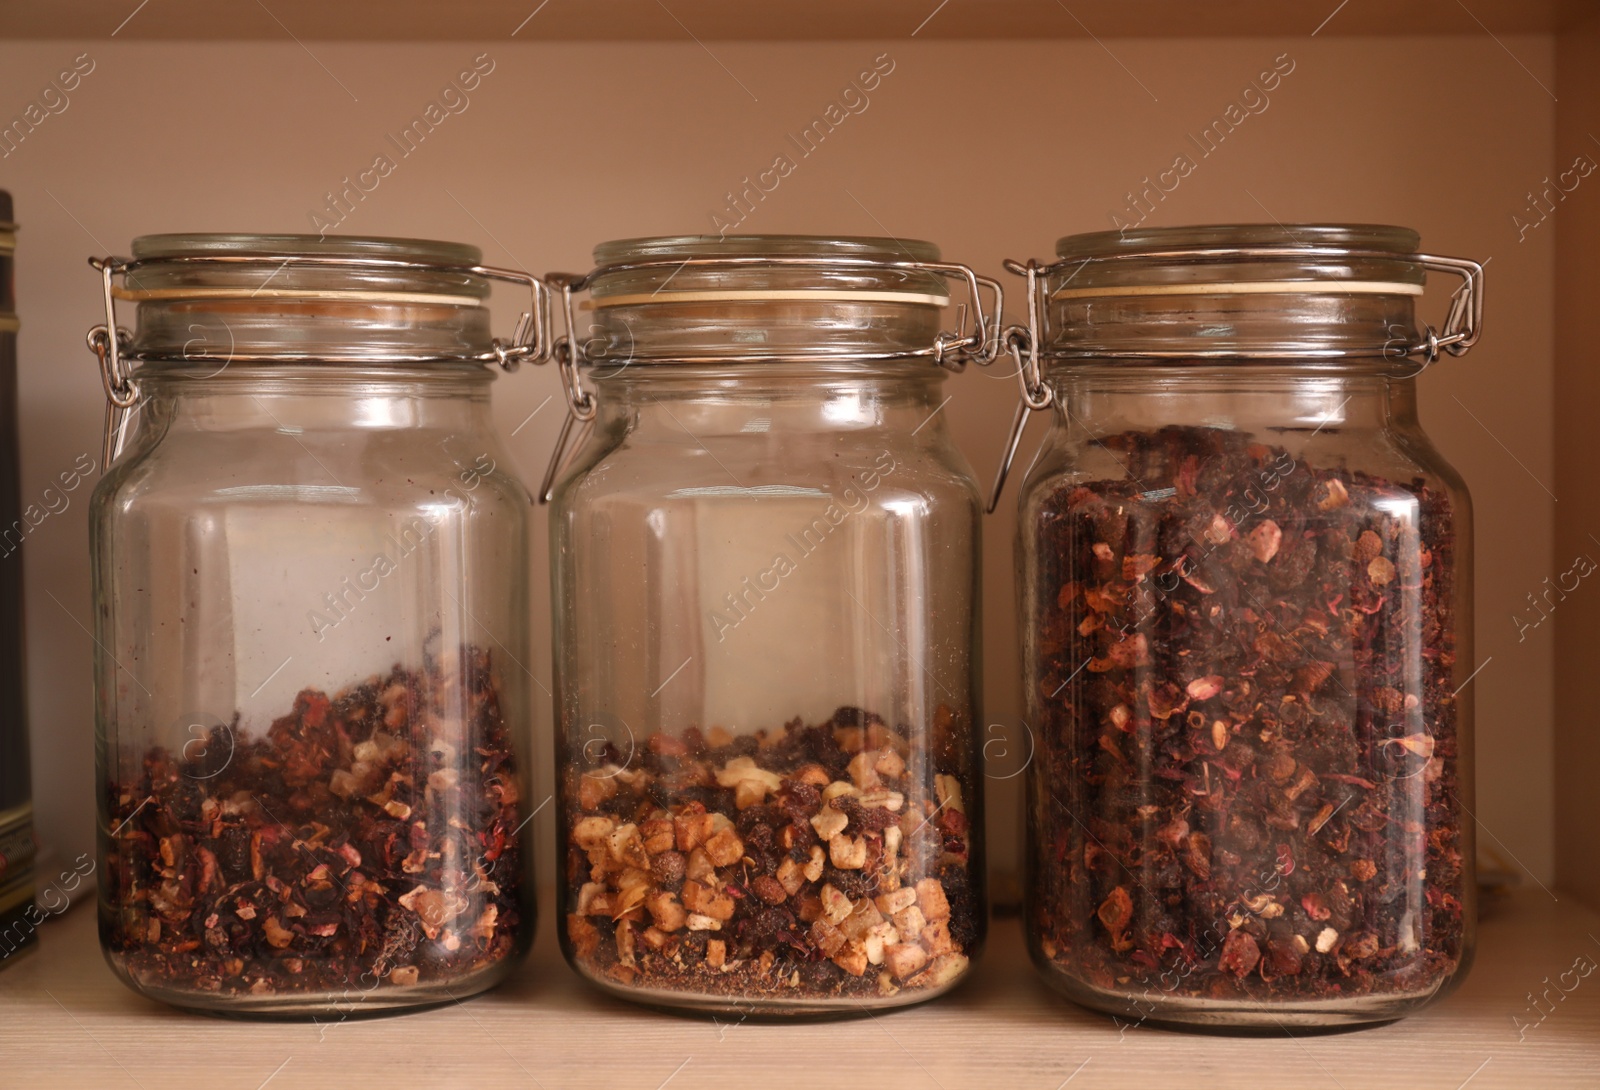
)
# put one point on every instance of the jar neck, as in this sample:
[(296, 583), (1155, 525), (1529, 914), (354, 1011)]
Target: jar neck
[(693, 402), (652, 333), (1109, 398)]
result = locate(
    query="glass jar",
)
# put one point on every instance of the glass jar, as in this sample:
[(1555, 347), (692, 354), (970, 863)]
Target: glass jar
[(312, 627), (1247, 629), (765, 564)]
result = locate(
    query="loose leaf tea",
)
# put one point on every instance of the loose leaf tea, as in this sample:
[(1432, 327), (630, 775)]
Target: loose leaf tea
[(1247, 774), (810, 863), (367, 841)]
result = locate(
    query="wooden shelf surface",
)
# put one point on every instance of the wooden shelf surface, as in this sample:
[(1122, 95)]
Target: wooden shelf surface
[(781, 20), (66, 1021)]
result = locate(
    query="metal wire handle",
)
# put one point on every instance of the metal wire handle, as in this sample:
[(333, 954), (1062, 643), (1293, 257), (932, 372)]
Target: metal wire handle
[(1462, 327), (977, 342), (529, 342)]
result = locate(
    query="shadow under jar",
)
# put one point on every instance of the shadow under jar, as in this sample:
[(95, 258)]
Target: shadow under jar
[(312, 615), (1247, 629), (765, 564)]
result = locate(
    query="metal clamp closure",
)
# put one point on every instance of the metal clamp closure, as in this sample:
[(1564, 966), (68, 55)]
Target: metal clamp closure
[(582, 407), (109, 342), (1463, 322), (976, 339), (1036, 396), (529, 342)]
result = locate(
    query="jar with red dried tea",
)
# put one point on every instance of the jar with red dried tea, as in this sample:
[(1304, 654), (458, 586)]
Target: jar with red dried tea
[(311, 616), (765, 570), (1247, 628)]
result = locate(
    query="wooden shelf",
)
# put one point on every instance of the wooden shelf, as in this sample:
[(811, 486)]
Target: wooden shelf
[(785, 20), (65, 1020)]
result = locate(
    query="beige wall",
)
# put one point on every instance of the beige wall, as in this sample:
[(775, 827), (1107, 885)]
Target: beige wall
[(563, 146)]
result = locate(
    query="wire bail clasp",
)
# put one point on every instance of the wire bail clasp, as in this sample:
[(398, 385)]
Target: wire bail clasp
[(582, 407), (1023, 344), (1463, 324), (979, 342), (109, 342), (530, 340)]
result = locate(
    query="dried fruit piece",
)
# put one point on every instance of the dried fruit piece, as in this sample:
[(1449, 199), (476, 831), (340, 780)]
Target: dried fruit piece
[(1240, 953), (1264, 540)]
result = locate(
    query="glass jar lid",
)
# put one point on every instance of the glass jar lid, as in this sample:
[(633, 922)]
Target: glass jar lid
[(301, 298), (1370, 258), (216, 299), (773, 298), (1244, 292), (753, 266)]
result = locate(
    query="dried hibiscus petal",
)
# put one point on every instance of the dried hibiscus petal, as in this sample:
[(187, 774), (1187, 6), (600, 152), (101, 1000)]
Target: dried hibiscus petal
[(1115, 912)]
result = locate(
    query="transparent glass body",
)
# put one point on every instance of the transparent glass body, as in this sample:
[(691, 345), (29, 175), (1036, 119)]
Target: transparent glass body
[(766, 683), (1246, 592), (312, 622)]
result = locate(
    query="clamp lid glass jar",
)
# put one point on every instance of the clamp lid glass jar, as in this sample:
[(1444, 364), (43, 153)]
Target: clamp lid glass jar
[(311, 622), (1247, 628), (765, 564)]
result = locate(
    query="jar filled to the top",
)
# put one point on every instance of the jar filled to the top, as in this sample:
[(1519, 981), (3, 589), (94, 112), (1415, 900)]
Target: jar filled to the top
[(765, 569), (1247, 627), (311, 618)]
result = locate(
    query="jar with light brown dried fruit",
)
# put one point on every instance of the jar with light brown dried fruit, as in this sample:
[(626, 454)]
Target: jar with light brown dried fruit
[(771, 873)]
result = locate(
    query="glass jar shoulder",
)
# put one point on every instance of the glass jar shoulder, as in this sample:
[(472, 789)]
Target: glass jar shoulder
[(1392, 467), (880, 470), (441, 472)]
